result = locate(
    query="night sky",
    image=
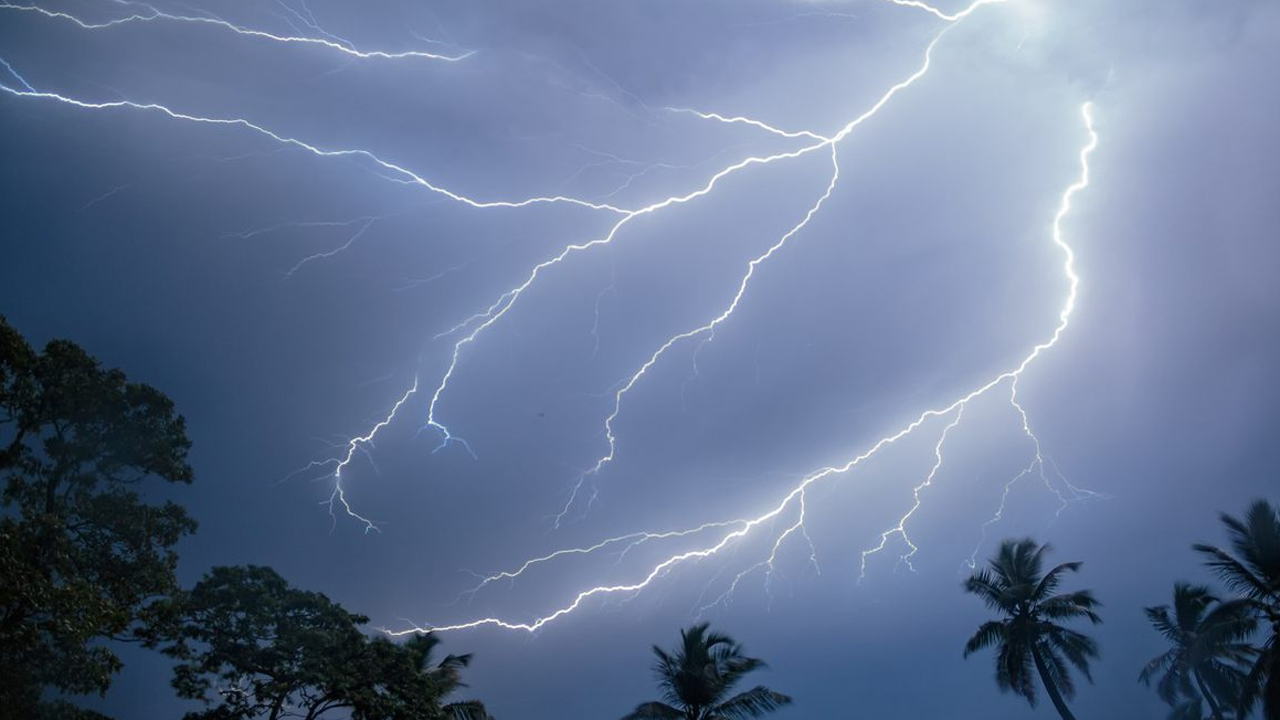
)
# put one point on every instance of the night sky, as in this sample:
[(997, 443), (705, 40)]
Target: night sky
[(286, 297)]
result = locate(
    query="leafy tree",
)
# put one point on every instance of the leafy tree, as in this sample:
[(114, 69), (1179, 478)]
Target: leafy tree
[(1254, 571), (251, 646), (697, 677), (406, 676), (1029, 634), (82, 556), (1209, 639)]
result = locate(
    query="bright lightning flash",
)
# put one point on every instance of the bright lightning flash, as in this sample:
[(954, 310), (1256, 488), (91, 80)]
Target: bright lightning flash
[(151, 14), (795, 498), (784, 521)]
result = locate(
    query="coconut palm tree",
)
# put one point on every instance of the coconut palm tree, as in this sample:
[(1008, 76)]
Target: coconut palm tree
[(447, 675), (1210, 647), (1029, 635), (697, 677), (1254, 571), (404, 682)]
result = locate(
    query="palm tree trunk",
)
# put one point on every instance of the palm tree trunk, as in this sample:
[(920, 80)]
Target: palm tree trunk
[(1208, 697), (1050, 687)]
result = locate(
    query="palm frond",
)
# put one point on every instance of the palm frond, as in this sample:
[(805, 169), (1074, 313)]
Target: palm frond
[(1190, 603), (1176, 685), (466, 710), (1192, 709), (1077, 647), (1224, 682), (1234, 573), (734, 669), (1053, 579), (1257, 540), (654, 711), (701, 672), (1159, 618), (988, 634), (1069, 606), (1263, 681), (1229, 622), (753, 703), (1013, 671), (1157, 665), (1056, 671), (990, 589)]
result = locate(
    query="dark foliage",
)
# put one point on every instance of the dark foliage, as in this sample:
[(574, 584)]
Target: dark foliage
[(1209, 640), (698, 676), (1253, 569), (1029, 634), (83, 555), (251, 646)]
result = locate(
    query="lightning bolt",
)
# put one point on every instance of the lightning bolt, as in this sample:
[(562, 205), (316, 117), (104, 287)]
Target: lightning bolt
[(400, 174), (795, 497), (482, 321), (364, 227), (783, 524), (496, 311), (901, 528), (707, 330), (949, 17), (355, 444), (16, 76), (630, 542), (155, 15)]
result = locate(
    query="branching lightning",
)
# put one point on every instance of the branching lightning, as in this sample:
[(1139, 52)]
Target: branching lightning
[(901, 528), (794, 500), (397, 171), (707, 330), (152, 14), (781, 526), (339, 495)]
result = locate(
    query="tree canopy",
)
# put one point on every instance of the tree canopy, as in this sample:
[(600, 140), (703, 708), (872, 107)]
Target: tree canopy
[(698, 676), (1209, 648), (84, 555), (1254, 571), (1029, 634), (251, 646)]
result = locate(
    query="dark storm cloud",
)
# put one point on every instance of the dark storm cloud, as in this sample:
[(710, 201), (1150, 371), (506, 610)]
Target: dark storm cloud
[(929, 269)]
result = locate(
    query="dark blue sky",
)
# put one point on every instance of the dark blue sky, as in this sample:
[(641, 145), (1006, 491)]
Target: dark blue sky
[(174, 249)]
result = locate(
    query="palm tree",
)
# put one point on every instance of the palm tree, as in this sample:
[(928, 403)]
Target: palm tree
[(697, 677), (447, 676), (1029, 635), (1254, 571), (402, 681), (1209, 648)]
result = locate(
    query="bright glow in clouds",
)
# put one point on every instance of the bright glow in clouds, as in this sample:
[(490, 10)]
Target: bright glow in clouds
[(795, 499), (780, 525)]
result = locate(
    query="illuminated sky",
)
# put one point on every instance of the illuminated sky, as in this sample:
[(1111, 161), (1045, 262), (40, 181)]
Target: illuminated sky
[(473, 254)]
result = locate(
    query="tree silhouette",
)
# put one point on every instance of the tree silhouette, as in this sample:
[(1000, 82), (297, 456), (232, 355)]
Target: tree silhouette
[(251, 646), (1254, 571), (407, 676), (697, 677), (1209, 640), (83, 558), (1029, 634)]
